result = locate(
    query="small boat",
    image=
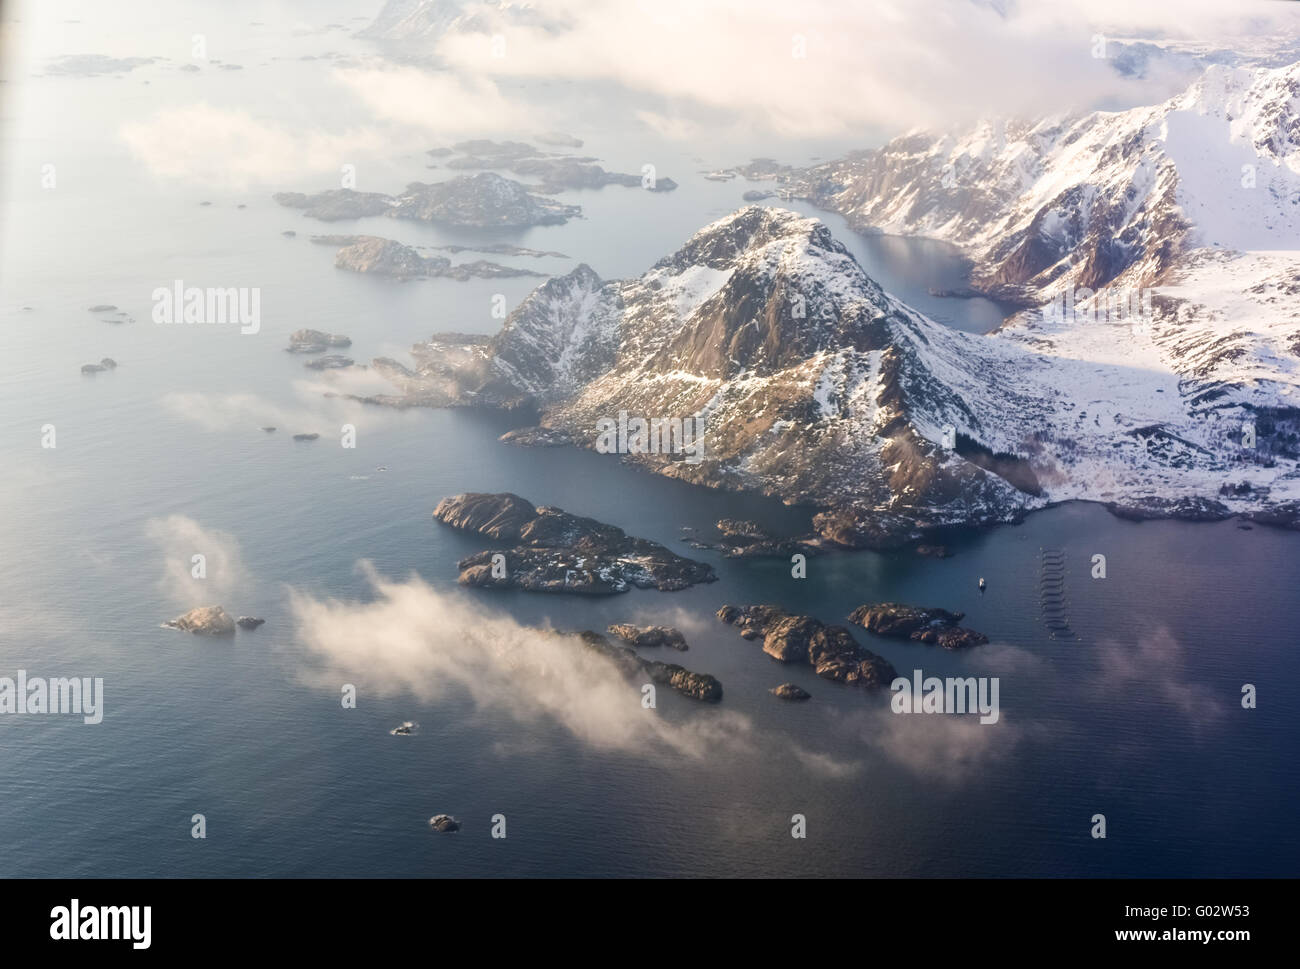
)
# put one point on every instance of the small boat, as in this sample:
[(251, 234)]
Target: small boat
[(981, 583)]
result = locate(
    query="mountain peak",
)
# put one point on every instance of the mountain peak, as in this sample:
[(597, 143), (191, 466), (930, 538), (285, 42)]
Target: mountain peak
[(751, 227)]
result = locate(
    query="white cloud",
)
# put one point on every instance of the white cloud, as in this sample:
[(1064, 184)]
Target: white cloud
[(414, 639), (231, 149), (180, 538), (863, 64), (451, 106), (311, 412), (1156, 666)]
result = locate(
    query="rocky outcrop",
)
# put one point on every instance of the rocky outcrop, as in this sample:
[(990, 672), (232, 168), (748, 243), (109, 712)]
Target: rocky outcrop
[(481, 201), (697, 686), (249, 622), (204, 621), (556, 172), (330, 362), (546, 549), (485, 200), (747, 540), (856, 527), (934, 551), (315, 341), (336, 204), (1186, 509), (444, 823), (789, 691), (649, 637), (536, 437), (832, 651), (387, 257), (935, 626)]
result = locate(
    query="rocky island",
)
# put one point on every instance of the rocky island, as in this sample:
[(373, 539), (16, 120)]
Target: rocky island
[(387, 257), (697, 686), (331, 361), (936, 626), (546, 549), (557, 172), (336, 203), (649, 637), (315, 341), (204, 621), (832, 651), (482, 201), (746, 539)]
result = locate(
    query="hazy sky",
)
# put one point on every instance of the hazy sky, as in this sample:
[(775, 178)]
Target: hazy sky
[(697, 73)]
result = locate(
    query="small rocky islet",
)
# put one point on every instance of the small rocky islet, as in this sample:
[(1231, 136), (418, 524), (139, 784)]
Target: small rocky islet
[(747, 539), (547, 549), (481, 201), (832, 651), (649, 637), (387, 257), (211, 621), (330, 361), (918, 624), (315, 341), (204, 621), (697, 686)]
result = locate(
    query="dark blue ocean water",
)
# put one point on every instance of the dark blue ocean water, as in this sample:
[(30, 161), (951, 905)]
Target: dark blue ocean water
[(1139, 719)]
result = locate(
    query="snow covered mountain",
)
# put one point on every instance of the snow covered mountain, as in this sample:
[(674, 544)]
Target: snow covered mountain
[(425, 21), (1093, 200), (818, 387)]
